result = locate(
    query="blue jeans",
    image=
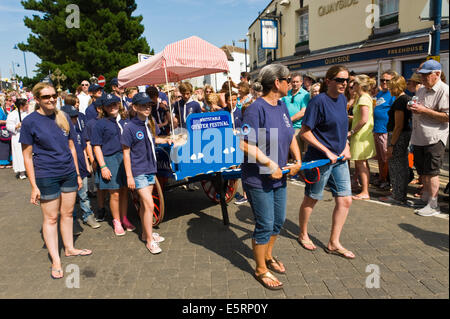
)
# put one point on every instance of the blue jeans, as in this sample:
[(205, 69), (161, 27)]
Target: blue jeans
[(143, 181), (337, 176), (85, 203), (269, 210)]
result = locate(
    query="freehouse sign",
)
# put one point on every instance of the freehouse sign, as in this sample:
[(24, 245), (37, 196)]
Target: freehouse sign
[(336, 6)]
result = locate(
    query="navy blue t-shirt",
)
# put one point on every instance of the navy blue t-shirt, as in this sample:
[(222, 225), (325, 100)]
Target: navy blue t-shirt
[(141, 151), (87, 132), (91, 112), (51, 153), (80, 146), (81, 122), (106, 133), (262, 115), (183, 110), (328, 121)]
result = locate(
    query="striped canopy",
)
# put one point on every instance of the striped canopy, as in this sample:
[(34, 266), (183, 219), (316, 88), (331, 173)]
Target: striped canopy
[(184, 59)]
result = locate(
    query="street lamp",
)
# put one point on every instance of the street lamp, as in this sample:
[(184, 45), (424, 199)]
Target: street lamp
[(245, 48), (24, 59)]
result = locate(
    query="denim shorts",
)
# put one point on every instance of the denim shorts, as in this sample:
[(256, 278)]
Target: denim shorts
[(336, 176), (117, 169), (269, 210), (143, 181), (52, 187)]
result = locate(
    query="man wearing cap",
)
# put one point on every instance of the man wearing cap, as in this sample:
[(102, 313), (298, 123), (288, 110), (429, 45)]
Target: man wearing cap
[(84, 97), (413, 84), (97, 93), (308, 80), (160, 111), (430, 133)]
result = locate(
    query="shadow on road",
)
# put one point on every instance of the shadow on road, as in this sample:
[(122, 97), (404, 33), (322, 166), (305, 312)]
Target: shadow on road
[(210, 232), (430, 238)]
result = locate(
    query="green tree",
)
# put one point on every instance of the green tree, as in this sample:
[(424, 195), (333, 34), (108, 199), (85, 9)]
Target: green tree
[(108, 39)]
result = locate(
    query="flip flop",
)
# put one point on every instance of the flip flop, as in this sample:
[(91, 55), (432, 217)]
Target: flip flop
[(303, 243), (357, 197), (84, 252), (339, 252), (272, 261), (269, 275), (59, 271)]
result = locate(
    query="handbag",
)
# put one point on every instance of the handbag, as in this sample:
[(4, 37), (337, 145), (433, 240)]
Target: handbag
[(5, 135)]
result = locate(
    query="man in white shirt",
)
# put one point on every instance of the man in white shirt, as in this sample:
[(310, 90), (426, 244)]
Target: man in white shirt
[(430, 133), (84, 97)]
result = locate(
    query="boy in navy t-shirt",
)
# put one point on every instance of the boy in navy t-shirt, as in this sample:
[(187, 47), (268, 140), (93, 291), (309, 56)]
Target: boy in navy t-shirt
[(80, 146)]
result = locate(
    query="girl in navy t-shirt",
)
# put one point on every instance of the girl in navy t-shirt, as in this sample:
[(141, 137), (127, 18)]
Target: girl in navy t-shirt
[(108, 152), (138, 141), (51, 163)]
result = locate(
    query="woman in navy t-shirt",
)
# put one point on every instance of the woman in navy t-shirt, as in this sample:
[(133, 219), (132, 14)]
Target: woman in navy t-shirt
[(138, 143), (51, 163), (108, 151), (325, 129), (268, 138)]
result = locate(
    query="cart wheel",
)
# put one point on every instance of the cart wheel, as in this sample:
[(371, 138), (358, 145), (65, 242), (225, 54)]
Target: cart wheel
[(158, 200), (210, 190)]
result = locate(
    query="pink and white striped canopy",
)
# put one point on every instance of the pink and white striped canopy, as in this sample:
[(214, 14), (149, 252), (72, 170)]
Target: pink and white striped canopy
[(184, 59)]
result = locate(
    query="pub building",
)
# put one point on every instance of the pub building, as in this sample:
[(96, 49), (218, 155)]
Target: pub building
[(368, 36)]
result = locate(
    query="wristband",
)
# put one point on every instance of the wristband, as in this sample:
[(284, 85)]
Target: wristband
[(104, 166), (297, 161)]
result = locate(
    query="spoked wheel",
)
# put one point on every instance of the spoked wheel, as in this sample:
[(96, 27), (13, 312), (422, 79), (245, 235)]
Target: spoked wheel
[(213, 194), (158, 200)]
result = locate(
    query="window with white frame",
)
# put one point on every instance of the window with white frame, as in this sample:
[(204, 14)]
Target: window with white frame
[(388, 12), (303, 23)]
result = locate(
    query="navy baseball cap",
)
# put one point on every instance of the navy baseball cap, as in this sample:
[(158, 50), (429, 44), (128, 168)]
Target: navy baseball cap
[(115, 82), (70, 110), (94, 87), (111, 99), (100, 101), (430, 66), (141, 98)]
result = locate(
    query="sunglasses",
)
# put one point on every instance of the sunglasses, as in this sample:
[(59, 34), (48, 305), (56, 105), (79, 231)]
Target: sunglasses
[(341, 80), (48, 97), (385, 81), (84, 84), (288, 80)]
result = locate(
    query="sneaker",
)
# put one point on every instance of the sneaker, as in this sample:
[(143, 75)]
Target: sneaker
[(417, 204), (391, 200), (192, 188), (428, 211), (118, 229), (385, 186), (90, 221), (157, 238), (100, 215), (241, 201), (77, 229), (23, 176), (126, 223), (154, 248)]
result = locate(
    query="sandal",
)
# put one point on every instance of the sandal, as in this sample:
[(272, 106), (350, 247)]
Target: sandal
[(272, 261), (303, 243), (268, 275), (84, 252), (339, 252), (59, 271), (359, 197)]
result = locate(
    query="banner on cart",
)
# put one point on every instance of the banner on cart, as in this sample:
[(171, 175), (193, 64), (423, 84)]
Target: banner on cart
[(204, 123)]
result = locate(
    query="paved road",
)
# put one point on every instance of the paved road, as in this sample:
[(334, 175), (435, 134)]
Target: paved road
[(204, 259)]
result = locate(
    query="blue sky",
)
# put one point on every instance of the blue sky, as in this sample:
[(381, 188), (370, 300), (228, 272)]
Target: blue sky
[(166, 21)]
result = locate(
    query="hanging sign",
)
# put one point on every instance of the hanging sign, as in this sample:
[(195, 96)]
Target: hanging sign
[(269, 34)]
